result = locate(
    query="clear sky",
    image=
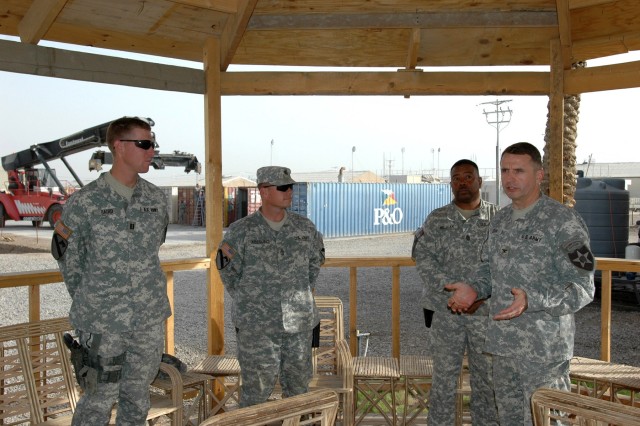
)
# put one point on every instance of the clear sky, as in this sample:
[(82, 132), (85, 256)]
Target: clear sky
[(311, 133)]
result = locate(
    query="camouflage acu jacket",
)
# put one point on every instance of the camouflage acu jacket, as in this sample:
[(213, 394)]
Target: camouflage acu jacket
[(547, 254), (111, 267), (447, 249), (270, 275)]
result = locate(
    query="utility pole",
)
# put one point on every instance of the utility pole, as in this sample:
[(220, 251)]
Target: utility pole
[(271, 160), (402, 150), (353, 149), (495, 118), (433, 161)]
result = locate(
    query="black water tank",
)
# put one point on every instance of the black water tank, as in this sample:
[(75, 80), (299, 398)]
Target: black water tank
[(604, 206)]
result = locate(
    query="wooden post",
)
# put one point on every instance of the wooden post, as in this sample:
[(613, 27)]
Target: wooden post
[(353, 310), (605, 316), (395, 312), (213, 192), (34, 303), (169, 332)]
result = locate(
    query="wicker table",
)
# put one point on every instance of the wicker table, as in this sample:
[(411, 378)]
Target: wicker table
[(225, 371), (416, 373), (606, 380), (192, 383), (375, 378)]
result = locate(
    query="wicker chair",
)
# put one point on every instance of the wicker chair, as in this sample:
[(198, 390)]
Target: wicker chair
[(551, 406), (37, 383), (317, 408), (325, 359)]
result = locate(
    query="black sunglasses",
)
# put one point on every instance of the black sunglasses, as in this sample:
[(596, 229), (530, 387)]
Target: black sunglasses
[(281, 188), (142, 143)]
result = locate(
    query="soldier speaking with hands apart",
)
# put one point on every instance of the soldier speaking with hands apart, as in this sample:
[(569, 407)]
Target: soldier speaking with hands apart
[(538, 269), (269, 262)]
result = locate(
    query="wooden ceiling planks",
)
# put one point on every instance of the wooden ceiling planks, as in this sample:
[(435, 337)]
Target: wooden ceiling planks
[(338, 33)]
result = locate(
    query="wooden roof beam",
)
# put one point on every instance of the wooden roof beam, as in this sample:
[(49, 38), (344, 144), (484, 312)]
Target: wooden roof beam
[(597, 79), (385, 83), (50, 62), (577, 4), (520, 19), (234, 31), (38, 19), (606, 46)]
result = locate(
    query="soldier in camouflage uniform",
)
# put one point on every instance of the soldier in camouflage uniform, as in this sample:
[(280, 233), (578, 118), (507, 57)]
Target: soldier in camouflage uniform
[(269, 262), (538, 269), (447, 249), (107, 245)]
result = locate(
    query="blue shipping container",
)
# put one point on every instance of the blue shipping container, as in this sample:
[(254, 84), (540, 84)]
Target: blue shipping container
[(356, 209)]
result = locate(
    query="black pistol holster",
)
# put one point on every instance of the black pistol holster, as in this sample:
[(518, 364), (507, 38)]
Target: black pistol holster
[(90, 367), (315, 337)]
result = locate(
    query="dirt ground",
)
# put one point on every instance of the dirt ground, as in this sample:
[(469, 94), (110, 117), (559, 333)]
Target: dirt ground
[(17, 244)]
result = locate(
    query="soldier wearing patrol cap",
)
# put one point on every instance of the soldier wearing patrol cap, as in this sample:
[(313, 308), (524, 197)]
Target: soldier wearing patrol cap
[(269, 262), (538, 269), (107, 245)]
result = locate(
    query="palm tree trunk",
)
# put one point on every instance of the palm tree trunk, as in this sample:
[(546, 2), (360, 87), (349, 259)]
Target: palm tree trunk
[(570, 118)]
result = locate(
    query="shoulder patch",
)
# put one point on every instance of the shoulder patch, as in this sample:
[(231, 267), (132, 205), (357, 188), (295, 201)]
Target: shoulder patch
[(58, 246), (581, 257), (63, 230), (224, 256)]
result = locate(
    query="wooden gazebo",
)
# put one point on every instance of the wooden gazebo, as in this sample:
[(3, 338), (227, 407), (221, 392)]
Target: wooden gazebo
[(393, 38)]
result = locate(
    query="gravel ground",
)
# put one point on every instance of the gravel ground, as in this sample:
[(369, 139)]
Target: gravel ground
[(374, 297)]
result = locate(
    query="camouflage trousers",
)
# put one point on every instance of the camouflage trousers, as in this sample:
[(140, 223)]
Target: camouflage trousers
[(264, 356), (515, 381), (143, 349), (451, 335)]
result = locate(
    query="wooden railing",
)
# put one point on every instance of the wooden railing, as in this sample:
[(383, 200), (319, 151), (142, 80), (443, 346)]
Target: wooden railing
[(35, 279)]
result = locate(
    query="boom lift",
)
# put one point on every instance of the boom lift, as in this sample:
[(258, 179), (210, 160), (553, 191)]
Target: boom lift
[(29, 194)]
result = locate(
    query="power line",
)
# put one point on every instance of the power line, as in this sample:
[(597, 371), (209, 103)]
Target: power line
[(500, 116)]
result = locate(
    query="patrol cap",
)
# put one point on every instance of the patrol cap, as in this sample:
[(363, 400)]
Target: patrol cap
[(274, 175)]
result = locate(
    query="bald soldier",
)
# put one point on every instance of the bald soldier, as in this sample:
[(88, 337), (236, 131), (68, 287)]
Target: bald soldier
[(446, 249), (269, 262)]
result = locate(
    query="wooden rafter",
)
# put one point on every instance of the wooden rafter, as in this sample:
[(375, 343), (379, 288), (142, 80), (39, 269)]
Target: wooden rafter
[(564, 32), (234, 31), (414, 45), (224, 6), (38, 19)]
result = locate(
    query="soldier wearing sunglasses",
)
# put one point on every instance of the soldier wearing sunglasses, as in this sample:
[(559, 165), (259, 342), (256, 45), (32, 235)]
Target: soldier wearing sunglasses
[(269, 262), (107, 245)]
